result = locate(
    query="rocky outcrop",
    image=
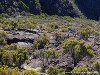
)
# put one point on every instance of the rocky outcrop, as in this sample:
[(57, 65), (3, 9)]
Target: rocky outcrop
[(21, 36), (59, 7)]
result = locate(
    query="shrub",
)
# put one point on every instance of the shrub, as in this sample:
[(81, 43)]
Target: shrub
[(31, 25), (76, 48), (3, 35), (5, 70), (12, 57), (54, 25), (14, 24), (96, 66), (40, 42), (69, 44), (84, 32), (90, 52), (78, 70), (52, 70), (62, 71), (29, 72)]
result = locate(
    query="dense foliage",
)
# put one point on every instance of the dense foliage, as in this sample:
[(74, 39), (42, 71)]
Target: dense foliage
[(12, 56), (5, 70), (73, 8)]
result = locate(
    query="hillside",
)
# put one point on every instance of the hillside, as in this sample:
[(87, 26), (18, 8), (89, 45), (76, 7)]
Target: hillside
[(73, 8), (49, 37), (54, 45)]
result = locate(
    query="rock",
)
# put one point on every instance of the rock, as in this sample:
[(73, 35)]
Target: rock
[(51, 38), (34, 63), (21, 36), (24, 44), (42, 73), (85, 61), (65, 61), (34, 31)]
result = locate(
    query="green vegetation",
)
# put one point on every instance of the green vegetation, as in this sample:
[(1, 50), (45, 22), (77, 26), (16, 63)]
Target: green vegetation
[(29, 72), (5, 70), (60, 45), (85, 32), (96, 66), (52, 70), (12, 56), (79, 69), (3, 35), (77, 48), (40, 42)]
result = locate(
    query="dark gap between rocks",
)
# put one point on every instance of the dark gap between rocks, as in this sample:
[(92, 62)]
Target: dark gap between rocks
[(15, 40)]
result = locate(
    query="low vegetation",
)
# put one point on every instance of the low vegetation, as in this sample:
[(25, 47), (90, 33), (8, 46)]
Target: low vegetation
[(60, 45)]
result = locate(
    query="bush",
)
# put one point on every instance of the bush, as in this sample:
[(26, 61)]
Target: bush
[(78, 70), (14, 24), (76, 48), (84, 32), (40, 42), (62, 71), (90, 52), (29, 72), (69, 44), (3, 35), (52, 70), (12, 57), (31, 25), (5, 70), (96, 66), (54, 25)]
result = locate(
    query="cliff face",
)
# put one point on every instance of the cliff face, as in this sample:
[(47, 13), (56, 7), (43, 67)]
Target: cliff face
[(59, 7), (51, 7), (73, 8), (89, 8)]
